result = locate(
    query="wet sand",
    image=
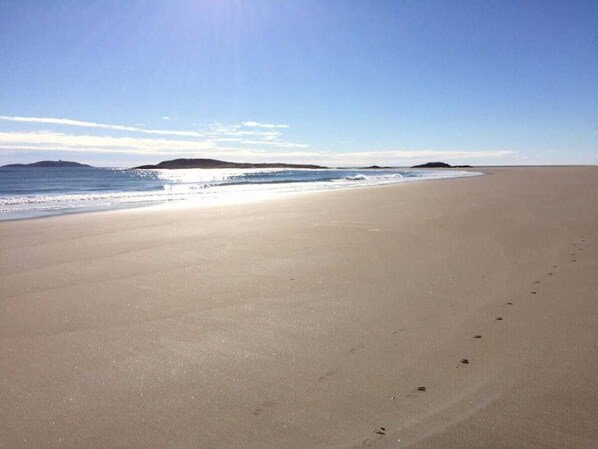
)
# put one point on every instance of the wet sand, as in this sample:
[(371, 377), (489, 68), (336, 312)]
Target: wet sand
[(446, 314)]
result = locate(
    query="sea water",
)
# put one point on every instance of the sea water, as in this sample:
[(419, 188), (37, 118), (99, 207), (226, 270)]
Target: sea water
[(27, 192)]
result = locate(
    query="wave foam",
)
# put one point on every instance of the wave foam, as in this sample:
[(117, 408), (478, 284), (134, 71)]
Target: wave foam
[(211, 186)]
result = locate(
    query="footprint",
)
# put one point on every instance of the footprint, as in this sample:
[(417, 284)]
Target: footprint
[(356, 348), (550, 274), (327, 376), (380, 433), (262, 407), (534, 293), (536, 282), (499, 318), (477, 337), (508, 304), (416, 391), (463, 362), (398, 331)]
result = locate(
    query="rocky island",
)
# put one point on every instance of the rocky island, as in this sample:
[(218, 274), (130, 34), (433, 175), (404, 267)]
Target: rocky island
[(376, 167), (214, 163), (439, 165), (48, 164)]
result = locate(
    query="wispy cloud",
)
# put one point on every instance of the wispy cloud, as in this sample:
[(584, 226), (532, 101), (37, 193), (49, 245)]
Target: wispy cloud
[(165, 117), (245, 142), (275, 144), (235, 132), (418, 154), (214, 130), (85, 124), (405, 157), (252, 124), (48, 141)]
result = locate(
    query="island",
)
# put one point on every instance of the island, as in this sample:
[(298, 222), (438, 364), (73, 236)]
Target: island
[(214, 163), (376, 167), (439, 165), (49, 164)]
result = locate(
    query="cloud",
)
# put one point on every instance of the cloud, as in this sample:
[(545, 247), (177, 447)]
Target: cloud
[(215, 133), (85, 124), (237, 142), (419, 154), (232, 131), (48, 141), (165, 117), (362, 158), (252, 124), (275, 144)]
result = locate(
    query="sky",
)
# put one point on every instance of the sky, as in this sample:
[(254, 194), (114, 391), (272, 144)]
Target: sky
[(340, 83)]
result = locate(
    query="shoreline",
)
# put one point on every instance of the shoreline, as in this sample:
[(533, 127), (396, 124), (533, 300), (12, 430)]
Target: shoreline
[(190, 203), (311, 321)]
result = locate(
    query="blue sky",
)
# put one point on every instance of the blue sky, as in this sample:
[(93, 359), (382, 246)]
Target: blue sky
[(334, 82)]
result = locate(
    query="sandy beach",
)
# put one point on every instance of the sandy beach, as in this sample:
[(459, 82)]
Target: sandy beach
[(443, 314)]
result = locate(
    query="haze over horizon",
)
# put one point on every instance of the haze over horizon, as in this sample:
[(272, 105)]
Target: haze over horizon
[(331, 83)]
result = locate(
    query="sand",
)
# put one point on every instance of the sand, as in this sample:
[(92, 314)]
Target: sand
[(310, 321)]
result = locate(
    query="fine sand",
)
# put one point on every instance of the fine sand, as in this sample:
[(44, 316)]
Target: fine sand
[(341, 319)]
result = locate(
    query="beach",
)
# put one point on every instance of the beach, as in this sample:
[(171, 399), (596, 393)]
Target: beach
[(438, 314)]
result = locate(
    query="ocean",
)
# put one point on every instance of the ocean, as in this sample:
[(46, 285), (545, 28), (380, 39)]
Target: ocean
[(34, 192)]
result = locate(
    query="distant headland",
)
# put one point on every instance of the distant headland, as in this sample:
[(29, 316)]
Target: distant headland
[(439, 165), (50, 164), (213, 163)]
